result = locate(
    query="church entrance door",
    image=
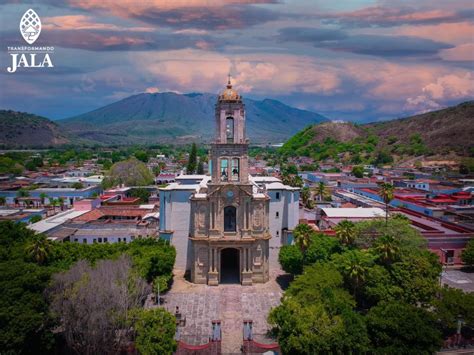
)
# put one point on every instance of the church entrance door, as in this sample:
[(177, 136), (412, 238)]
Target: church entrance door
[(230, 266)]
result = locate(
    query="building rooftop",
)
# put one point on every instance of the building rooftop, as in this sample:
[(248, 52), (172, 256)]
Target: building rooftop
[(55, 221), (359, 212)]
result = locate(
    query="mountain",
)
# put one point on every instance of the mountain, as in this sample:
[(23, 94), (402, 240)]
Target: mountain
[(443, 130), (25, 130), (170, 117), (436, 132)]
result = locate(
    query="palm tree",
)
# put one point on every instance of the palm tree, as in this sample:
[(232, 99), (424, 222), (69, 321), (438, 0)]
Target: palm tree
[(39, 248), (387, 247), (302, 234), (320, 190), (386, 191), (355, 264), (3, 201), (43, 197), (23, 193), (61, 202), (305, 195), (345, 232), (54, 202)]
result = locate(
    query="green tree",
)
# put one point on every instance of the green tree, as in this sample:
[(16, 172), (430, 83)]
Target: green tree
[(141, 155), (142, 193), (43, 197), (38, 249), (3, 201), (387, 248), (358, 171), (200, 168), (155, 330), (305, 194), (26, 328), (386, 192), (23, 193), (346, 232), (77, 185), (354, 266), (321, 248), (321, 191), (291, 259), (399, 328), (451, 305), (131, 172), (317, 316), (192, 161), (35, 218), (302, 234), (467, 254)]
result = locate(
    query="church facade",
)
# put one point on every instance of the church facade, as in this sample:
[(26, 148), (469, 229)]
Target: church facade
[(230, 216)]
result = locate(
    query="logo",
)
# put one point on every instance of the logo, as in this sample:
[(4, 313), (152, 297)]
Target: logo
[(30, 26), (30, 57)]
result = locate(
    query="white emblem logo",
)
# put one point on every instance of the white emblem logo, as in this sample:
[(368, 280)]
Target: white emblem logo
[(30, 26)]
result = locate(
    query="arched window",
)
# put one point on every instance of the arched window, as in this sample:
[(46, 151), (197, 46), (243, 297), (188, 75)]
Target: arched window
[(229, 129), (224, 164), (230, 219), (235, 169)]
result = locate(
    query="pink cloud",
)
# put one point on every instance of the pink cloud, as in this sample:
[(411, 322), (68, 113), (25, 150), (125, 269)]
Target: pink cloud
[(82, 22), (390, 15), (463, 52), (451, 87), (456, 33)]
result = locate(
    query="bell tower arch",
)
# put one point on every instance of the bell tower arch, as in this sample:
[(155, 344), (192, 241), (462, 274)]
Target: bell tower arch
[(229, 150)]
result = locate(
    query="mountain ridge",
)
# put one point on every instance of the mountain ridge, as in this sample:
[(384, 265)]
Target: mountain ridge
[(437, 132), (170, 117)]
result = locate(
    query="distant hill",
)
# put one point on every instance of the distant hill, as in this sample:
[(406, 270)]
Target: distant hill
[(170, 117), (450, 129), (437, 132), (24, 130)]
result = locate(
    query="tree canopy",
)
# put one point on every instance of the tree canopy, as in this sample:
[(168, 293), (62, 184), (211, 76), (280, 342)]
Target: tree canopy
[(377, 295), (27, 266), (131, 172)]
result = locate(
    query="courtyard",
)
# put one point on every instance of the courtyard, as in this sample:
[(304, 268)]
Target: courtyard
[(199, 305)]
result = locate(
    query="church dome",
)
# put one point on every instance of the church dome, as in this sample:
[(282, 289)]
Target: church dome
[(229, 94)]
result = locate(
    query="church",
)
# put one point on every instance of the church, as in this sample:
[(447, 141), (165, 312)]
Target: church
[(229, 226)]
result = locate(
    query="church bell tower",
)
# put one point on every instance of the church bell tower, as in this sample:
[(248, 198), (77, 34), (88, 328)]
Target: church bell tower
[(229, 151), (229, 230)]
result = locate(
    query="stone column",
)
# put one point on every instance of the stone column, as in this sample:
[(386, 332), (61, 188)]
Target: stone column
[(213, 274), (246, 273)]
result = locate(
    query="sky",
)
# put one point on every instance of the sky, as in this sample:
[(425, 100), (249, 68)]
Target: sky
[(356, 60)]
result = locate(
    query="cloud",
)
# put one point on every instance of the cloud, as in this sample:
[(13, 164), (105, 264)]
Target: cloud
[(462, 53), (82, 22), (451, 86), (378, 45), (259, 74), (181, 14), (444, 89), (117, 40), (387, 46), (309, 34), (389, 16), (456, 33), (152, 90)]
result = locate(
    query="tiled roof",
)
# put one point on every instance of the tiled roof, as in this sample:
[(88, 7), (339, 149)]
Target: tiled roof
[(112, 212)]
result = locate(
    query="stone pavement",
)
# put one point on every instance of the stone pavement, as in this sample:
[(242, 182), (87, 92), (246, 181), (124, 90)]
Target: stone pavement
[(231, 304), (458, 279)]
